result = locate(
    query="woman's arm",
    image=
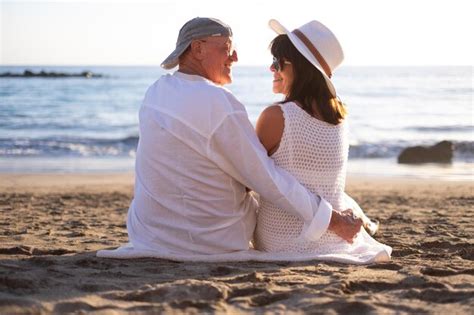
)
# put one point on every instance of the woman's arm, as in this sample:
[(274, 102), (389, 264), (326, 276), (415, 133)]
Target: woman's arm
[(270, 127)]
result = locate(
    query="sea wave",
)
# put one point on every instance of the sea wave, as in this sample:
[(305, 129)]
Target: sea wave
[(463, 150), (460, 128), (68, 146), (121, 147), (375, 150)]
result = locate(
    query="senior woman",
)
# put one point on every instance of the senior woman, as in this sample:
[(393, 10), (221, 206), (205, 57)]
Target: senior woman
[(306, 134)]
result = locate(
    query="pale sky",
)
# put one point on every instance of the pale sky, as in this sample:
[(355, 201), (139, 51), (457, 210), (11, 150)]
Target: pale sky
[(102, 32)]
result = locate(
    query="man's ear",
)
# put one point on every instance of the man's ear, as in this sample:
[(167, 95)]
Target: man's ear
[(197, 49)]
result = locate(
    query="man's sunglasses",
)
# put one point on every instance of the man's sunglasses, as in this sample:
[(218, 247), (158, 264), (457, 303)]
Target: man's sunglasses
[(277, 64)]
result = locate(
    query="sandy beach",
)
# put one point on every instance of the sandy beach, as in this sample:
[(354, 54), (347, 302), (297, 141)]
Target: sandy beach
[(52, 224)]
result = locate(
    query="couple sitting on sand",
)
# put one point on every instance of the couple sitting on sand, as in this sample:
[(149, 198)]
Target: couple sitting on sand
[(208, 183)]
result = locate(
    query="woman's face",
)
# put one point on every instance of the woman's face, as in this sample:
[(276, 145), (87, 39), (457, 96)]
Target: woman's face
[(282, 76)]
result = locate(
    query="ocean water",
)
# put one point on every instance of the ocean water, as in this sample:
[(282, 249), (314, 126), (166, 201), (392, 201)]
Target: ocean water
[(89, 125)]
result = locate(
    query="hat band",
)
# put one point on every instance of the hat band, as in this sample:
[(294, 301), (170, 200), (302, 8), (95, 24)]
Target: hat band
[(314, 51)]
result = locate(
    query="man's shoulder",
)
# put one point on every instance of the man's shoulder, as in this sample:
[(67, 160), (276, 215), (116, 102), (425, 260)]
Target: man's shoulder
[(215, 97), (199, 104), (195, 86), (224, 94)]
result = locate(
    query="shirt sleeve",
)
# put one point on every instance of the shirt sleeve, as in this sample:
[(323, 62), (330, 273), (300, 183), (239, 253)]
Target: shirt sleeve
[(235, 148)]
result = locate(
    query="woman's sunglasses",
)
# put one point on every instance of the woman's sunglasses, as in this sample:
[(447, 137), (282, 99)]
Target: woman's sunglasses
[(277, 64)]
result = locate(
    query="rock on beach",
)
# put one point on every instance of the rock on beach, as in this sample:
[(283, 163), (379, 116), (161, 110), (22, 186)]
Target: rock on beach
[(442, 152)]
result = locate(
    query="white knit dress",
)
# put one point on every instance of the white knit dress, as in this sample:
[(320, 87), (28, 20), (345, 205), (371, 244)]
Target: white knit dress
[(316, 153)]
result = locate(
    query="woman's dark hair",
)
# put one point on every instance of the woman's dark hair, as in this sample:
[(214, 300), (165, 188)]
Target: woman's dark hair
[(309, 88)]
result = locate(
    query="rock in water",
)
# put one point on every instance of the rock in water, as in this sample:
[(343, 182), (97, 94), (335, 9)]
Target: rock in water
[(441, 152), (44, 74)]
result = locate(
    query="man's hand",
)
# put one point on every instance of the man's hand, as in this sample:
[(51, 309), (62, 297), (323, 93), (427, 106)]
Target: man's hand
[(345, 224)]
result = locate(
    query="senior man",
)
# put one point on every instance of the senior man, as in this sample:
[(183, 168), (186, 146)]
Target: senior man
[(198, 152)]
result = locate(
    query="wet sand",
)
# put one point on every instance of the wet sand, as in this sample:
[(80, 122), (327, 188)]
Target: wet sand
[(51, 226)]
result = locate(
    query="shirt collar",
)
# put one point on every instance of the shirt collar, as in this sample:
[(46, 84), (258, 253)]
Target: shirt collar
[(189, 77)]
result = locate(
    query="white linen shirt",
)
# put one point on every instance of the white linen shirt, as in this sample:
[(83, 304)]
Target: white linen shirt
[(196, 154)]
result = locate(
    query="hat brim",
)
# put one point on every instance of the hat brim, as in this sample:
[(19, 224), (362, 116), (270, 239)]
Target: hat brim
[(173, 59), (278, 28)]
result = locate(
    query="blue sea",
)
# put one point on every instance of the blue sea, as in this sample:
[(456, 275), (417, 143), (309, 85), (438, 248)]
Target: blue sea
[(91, 125)]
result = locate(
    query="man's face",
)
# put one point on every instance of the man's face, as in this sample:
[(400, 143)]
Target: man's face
[(219, 58)]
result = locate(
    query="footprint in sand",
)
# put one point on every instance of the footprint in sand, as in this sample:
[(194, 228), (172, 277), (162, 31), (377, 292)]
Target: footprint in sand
[(20, 306), (17, 250), (32, 251), (245, 292), (348, 308), (251, 277), (222, 271), (269, 298), (446, 272), (17, 285), (441, 296), (386, 266), (79, 308), (41, 262), (178, 292)]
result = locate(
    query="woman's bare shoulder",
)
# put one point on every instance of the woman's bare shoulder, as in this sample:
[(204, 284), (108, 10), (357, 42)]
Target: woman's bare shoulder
[(269, 128), (271, 116)]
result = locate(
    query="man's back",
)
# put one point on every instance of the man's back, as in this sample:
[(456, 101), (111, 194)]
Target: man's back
[(183, 201)]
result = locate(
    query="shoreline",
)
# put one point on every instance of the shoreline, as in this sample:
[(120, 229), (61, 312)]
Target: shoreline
[(376, 168), (51, 226), (124, 181), (67, 182)]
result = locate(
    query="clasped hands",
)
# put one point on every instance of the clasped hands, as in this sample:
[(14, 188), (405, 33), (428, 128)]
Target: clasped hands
[(345, 224)]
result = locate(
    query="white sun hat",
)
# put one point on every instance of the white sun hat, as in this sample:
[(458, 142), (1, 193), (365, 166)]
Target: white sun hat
[(317, 44)]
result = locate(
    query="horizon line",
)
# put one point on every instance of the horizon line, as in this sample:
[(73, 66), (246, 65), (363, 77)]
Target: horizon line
[(237, 65)]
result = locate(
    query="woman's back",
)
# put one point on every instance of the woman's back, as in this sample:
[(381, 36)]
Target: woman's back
[(315, 152)]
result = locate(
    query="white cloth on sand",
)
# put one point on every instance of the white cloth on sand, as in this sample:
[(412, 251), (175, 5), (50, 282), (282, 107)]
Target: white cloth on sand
[(357, 256)]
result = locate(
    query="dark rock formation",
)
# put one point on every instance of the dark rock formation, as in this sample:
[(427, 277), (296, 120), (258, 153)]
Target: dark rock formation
[(44, 74), (441, 152)]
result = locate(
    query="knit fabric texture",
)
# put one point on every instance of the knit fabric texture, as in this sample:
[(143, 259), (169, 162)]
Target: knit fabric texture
[(316, 153)]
